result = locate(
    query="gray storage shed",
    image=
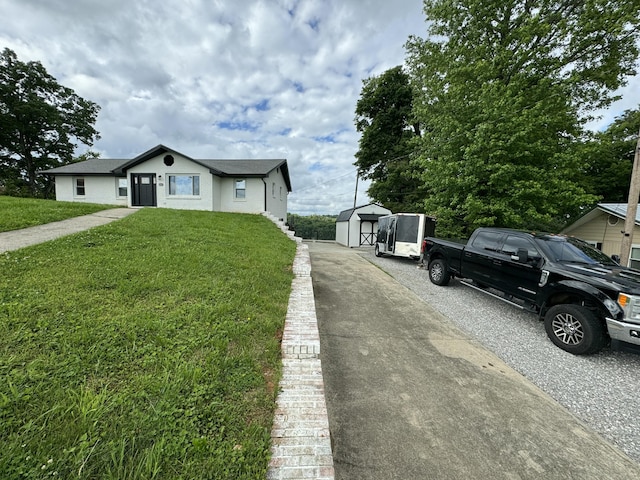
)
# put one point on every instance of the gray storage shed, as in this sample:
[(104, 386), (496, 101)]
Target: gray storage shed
[(357, 226)]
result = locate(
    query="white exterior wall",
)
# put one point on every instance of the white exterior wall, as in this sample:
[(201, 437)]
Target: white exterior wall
[(98, 189), (216, 185), (342, 231), (254, 195), (277, 194), (181, 166), (354, 230)]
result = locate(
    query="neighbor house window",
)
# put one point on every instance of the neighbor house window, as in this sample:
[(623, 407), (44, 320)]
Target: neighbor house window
[(80, 187), (241, 189), (634, 258), (184, 185), (122, 187), (273, 190)]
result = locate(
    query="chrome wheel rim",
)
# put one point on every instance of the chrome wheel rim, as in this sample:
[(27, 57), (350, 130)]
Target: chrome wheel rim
[(436, 272), (567, 329)]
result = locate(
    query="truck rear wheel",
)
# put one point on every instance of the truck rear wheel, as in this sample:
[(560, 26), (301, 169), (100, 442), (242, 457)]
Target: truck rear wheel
[(575, 329), (439, 272)]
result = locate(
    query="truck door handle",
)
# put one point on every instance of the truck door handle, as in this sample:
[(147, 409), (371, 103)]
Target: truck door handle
[(497, 262)]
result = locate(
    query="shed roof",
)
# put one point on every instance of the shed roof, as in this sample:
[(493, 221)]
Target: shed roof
[(345, 215)]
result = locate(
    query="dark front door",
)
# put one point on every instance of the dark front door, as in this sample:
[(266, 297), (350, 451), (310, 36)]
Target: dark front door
[(144, 190)]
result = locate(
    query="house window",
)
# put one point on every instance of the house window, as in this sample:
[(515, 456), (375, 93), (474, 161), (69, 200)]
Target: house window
[(80, 191), (634, 258), (241, 189), (184, 185), (121, 186), (273, 189), (280, 193)]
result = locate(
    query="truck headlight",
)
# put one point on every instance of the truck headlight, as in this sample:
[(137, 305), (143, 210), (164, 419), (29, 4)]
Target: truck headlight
[(630, 305)]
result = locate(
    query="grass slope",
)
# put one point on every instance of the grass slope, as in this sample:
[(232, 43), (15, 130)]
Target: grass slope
[(16, 213), (146, 348)]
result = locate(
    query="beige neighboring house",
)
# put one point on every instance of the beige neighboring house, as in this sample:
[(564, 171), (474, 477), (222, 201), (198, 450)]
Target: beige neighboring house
[(603, 228), (162, 177)]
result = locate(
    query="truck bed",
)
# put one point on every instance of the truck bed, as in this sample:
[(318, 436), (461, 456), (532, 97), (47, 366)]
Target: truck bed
[(449, 249)]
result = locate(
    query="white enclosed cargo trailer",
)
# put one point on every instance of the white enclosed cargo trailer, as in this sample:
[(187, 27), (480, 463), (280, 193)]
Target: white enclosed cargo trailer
[(401, 234)]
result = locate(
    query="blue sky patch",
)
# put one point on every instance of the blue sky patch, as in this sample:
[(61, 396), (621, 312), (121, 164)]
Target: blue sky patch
[(314, 23), (243, 126), (325, 139), (262, 106)]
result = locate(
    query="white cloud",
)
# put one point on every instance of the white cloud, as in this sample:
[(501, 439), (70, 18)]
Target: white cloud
[(219, 79)]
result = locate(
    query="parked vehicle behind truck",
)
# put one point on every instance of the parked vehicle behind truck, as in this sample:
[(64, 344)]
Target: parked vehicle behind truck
[(584, 297), (401, 234)]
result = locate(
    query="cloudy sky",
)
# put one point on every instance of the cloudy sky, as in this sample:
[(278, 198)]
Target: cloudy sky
[(229, 79)]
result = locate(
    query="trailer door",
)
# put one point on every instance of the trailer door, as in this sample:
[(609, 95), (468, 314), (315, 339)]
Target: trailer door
[(408, 241)]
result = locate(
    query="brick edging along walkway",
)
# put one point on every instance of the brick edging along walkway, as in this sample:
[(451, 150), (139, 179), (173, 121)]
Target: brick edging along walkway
[(300, 439)]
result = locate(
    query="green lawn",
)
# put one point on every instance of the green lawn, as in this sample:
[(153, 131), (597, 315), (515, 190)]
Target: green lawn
[(18, 213), (146, 348)]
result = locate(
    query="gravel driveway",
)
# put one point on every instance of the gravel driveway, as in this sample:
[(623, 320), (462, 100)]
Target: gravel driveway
[(603, 390)]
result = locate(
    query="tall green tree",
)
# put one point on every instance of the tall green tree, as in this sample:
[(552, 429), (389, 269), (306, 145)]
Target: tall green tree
[(608, 158), (384, 118), (505, 88), (40, 123)]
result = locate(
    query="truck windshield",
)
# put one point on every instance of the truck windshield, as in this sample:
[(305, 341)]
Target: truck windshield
[(572, 250)]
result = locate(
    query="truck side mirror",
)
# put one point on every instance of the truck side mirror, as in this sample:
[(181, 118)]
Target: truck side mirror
[(616, 258), (522, 256)]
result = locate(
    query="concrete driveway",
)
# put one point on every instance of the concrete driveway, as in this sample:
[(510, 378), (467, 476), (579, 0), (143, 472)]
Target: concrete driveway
[(409, 396)]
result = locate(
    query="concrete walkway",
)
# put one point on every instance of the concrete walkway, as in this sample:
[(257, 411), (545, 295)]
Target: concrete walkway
[(25, 237), (410, 396)]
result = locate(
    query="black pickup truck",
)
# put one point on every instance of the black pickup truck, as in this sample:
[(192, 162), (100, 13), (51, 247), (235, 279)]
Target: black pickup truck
[(584, 297)]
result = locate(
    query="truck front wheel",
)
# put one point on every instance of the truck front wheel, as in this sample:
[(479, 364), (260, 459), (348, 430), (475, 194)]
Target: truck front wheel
[(575, 329), (377, 250), (439, 273)]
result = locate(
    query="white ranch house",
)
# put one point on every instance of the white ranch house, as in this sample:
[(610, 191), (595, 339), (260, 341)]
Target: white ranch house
[(162, 177)]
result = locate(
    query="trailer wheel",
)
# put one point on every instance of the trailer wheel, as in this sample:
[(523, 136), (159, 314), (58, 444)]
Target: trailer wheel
[(575, 329), (377, 251), (439, 274)]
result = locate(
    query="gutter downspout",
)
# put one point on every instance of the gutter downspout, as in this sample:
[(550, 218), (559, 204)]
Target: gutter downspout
[(265, 195)]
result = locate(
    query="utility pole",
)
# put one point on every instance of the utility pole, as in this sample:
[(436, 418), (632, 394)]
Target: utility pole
[(632, 208), (355, 197)]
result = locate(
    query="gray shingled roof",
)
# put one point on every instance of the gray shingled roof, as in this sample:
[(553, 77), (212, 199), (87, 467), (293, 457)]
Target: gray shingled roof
[(93, 166)]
